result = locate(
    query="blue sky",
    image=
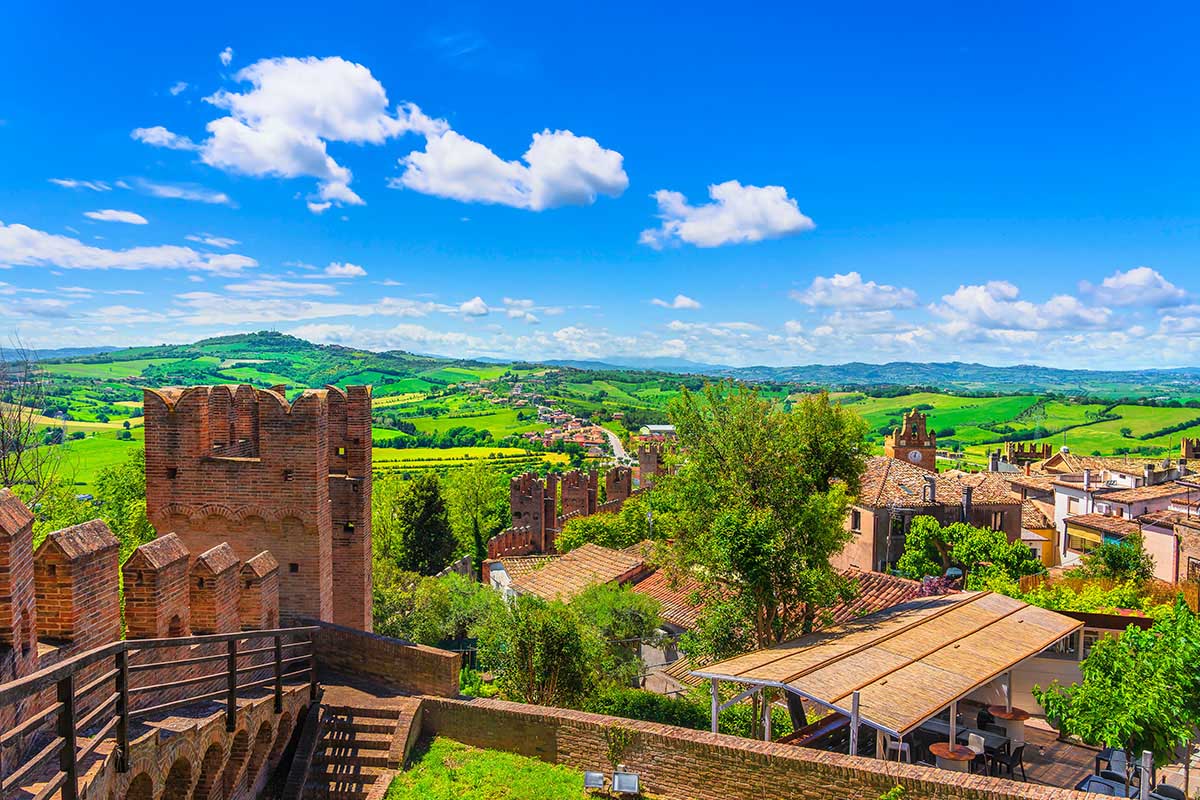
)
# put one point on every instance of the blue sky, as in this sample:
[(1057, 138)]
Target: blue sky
[(782, 185)]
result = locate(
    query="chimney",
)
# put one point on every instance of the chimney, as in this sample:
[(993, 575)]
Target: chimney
[(1028, 469), (1148, 474), (931, 488), (966, 503), (994, 461), (1087, 480)]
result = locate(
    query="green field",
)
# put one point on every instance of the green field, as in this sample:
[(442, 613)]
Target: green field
[(501, 423), (111, 370), (83, 459), (390, 461), (443, 769)]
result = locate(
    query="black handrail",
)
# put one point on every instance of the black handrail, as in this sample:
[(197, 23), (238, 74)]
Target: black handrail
[(70, 725)]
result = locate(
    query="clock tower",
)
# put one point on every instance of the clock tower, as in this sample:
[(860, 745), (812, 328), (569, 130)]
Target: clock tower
[(913, 442)]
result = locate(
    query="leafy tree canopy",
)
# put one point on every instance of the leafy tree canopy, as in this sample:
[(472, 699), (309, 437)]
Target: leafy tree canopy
[(981, 553), (411, 524)]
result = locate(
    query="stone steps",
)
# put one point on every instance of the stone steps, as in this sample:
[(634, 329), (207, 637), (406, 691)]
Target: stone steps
[(353, 753)]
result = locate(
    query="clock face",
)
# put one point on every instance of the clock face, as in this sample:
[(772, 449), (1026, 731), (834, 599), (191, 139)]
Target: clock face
[(915, 456)]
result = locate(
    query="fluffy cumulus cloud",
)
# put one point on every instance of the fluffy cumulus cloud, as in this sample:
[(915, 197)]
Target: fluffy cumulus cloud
[(1140, 286), (280, 126), (475, 307), (337, 269), (997, 306), (23, 246), (226, 56), (681, 302), (559, 169), (115, 215), (736, 214), (851, 292), (158, 136)]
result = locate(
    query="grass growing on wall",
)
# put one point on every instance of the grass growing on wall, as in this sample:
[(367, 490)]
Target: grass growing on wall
[(443, 769)]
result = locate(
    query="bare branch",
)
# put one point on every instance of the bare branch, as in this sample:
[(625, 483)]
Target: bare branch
[(25, 458)]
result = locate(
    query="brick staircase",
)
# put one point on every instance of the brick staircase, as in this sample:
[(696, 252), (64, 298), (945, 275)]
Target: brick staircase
[(358, 752)]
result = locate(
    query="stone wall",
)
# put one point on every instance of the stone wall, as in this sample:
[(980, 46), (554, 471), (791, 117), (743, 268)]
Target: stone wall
[(681, 764), (409, 668)]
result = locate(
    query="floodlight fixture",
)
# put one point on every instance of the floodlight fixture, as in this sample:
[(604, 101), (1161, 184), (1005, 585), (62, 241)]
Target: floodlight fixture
[(625, 783), (593, 780)]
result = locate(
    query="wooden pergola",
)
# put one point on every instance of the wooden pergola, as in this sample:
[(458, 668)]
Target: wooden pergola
[(895, 670)]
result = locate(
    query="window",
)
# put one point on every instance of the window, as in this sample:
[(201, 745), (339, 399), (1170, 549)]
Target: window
[(293, 568), (1090, 637), (1193, 569), (348, 527), (1080, 544), (172, 473), (997, 520), (1066, 648), (289, 475), (855, 520), (1072, 505)]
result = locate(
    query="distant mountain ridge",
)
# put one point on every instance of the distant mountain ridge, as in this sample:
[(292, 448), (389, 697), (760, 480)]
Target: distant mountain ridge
[(312, 364)]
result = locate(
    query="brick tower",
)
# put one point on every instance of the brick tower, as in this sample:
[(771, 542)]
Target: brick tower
[(534, 505), (650, 463), (913, 442), (241, 465), (579, 493), (618, 484)]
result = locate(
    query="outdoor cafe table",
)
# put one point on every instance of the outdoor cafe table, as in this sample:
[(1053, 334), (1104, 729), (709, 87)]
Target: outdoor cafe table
[(991, 741), (1013, 721), (1094, 784), (952, 757)]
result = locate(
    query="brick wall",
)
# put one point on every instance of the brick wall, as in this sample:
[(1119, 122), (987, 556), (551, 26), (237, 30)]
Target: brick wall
[(215, 590), (650, 462), (258, 604), (18, 612), (410, 668), (75, 572), (243, 466), (618, 484), (578, 493), (681, 764), (156, 583)]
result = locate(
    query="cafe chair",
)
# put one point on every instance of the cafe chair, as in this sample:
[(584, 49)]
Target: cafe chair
[(975, 745), (1012, 760), (1167, 792)]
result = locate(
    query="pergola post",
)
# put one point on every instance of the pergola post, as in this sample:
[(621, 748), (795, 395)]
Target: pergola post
[(854, 719), (766, 698), (716, 708), (1008, 691), (953, 722)]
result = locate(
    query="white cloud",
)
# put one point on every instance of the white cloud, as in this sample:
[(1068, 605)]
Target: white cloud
[(1140, 286), (475, 307), (560, 169), (281, 125), (71, 183), (850, 292), (523, 309), (405, 336), (344, 270), (210, 308), (277, 288), (226, 56), (681, 301), (158, 136), (209, 239), (178, 88), (737, 214), (176, 191), (21, 245), (996, 305), (114, 215)]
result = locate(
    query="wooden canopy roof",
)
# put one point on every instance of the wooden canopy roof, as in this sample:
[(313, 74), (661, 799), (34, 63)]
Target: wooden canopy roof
[(907, 662)]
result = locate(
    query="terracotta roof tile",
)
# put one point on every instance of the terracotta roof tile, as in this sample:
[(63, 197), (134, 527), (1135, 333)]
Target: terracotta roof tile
[(569, 575), (13, 514), (890, 481), (681, 597), (1033, 518), (1169, 519), (876, 591), (1118, 526), (517, 566), (1143, 493)]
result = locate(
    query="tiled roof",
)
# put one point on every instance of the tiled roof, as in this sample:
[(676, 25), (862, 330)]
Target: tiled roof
[(84, 539), (517, 566), (1169, 519), (1143, 493), (643, 549), (1043, 483), (1070, 462), (876, 591), (569, 575), (890, 481), (1033, 518), (681, 597), (1118, 526)]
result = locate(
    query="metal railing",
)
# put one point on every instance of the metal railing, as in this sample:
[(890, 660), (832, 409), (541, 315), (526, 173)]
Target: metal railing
[(116, 710)]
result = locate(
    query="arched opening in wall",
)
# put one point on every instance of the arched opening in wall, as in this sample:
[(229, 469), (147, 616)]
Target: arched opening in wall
[(175, 627), (179, 781), (140, 788), (258, 752), (281, 738), (208, 787), (233, 778)]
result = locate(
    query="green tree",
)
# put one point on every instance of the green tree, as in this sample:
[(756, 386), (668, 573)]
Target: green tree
[(762, 497), (1139, 691), (476, 497), (121, 493), (540, 652), (624, 618), (1122, 561), (981, 553), (428, 610), (642, 516), (411, 525)]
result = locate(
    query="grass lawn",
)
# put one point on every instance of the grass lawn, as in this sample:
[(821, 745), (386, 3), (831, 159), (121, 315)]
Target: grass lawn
[(82, 459), (443, 769)]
